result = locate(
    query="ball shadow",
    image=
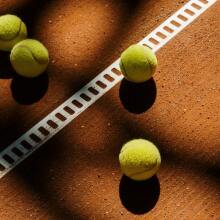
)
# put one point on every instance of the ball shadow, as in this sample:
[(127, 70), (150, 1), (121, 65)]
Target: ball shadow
[(28, 91), (139, 197), (6, 70), (137, 97)]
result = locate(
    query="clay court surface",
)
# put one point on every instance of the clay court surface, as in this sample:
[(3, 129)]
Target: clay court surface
[(76, 174)]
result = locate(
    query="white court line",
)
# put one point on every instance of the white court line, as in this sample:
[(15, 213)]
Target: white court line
[(24, 146)]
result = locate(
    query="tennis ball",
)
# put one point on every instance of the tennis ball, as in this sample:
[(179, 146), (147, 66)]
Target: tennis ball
[(12, 30), (139, 159), (29, 58), (138, 63)]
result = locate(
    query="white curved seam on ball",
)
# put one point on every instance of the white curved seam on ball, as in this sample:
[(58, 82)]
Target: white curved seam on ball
[(144, 171), (32, 54), (125, 71)]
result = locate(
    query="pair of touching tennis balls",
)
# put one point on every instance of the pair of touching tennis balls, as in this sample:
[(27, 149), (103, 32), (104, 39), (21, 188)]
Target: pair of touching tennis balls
[(28, 57)]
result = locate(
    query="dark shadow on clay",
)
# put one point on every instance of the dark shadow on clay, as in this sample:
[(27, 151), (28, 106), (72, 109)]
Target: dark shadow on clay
[(138, 97), (139, 197), (39, 180), (30, 11), (28, 91), (6, 70)]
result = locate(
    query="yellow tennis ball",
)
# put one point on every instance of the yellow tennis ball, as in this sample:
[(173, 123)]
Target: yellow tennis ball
[(139, 159), (12, 30), (29, 58), (138, 63)]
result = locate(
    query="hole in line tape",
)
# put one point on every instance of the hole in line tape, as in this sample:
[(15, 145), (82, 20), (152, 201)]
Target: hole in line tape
[(60, 117), (161, 35), (204, 1), (190, 12), (109, 78), (17, 151), (77, 103), (85, 97), (35, 138), (26, 145), (52, 124), (182, 17), (101, 84), (116, 71), (8, 158), (168, 29), (175, 23), (44, 131), (93, 91), (68, 110), (196, 6)]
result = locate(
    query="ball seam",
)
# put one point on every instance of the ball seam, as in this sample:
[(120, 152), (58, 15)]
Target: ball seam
[(151, 72), (146, 170), (125, 72), (27, 48)]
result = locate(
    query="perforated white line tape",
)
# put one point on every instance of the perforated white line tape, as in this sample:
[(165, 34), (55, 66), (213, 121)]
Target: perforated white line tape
[(80, 101)]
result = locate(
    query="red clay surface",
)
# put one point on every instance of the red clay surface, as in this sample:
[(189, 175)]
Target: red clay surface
[(76, 175)]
